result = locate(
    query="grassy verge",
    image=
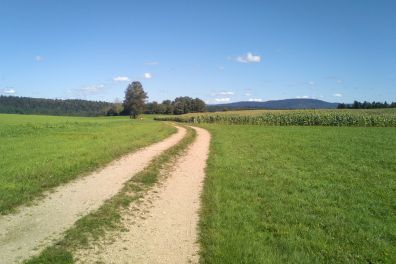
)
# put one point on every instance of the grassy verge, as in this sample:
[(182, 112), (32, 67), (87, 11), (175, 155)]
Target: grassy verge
[(41, 152), (299, 195), (108, 217)]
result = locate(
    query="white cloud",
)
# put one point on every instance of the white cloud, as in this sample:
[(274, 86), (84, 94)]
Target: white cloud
[(226, 99), (249, 58), (225, 93), (255, 100), (151, 63), (337, 95), (248, 94), (7, 91), (311, 83), (121, 79), (93, 88), (303, 97), (339, 81), (87, 90), (39, 58), (147, 75)]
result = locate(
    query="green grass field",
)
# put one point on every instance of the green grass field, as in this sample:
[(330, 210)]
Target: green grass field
[(40, 152), (273, 194), (299, 195)]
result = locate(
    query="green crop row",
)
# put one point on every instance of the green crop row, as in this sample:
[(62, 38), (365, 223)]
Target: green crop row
[(293, 118)]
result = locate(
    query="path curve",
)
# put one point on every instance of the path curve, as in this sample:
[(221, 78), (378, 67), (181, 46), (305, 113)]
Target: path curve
[(27, 232), (163, 229)]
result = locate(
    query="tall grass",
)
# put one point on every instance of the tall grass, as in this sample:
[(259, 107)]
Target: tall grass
[(360, 118)]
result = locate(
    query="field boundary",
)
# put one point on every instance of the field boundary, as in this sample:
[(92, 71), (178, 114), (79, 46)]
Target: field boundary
[(356, 118)]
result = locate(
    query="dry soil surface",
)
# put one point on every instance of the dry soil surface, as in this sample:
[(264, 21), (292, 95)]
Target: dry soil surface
[(163, 227), (32, 228)]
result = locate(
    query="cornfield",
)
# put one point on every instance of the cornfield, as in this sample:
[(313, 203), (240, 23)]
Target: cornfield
[(363, 118)]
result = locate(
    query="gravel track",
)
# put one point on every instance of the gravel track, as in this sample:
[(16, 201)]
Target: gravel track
[(32, 228), (162, 228)]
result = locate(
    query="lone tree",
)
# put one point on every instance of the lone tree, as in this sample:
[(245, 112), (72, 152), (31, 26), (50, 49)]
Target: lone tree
[(134, 100)]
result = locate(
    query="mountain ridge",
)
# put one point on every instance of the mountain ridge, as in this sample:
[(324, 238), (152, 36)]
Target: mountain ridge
[(298, 103)]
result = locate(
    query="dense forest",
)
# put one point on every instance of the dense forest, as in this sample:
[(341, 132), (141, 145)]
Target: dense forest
[(74, 107), (366, 105)]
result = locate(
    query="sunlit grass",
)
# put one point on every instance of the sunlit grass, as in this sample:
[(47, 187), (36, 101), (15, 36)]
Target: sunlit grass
[(300, 195), (108, 217), (40, 152)]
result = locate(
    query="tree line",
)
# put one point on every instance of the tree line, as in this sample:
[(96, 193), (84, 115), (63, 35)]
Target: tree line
[(72, 107), (366, 105), (179, 106), (135, 104)]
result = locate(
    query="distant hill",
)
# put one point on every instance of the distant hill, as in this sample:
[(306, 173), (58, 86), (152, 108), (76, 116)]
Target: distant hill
[(76, 107), (72, 107), (276, 104)]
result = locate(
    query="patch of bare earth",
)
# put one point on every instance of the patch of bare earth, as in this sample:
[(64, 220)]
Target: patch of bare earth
[(33, 228), (162, 228)]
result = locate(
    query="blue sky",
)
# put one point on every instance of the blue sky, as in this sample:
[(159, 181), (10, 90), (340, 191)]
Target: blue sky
[(220, 51)]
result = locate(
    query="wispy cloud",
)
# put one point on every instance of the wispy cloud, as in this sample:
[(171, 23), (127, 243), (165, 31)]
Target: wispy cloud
[(255, 100), (303, 97), (7, 91), (311, 82), (39, 58), (249, 58), (148, 75), (151, 63), (337, 95), (222, 100), (221, 68), (87, 90), (335, 78), (248, 94), (121, 79), (93, 88), (225, 93)]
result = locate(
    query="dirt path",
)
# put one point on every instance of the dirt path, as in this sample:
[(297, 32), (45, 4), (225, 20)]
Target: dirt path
[(163, 228), (31, 229)]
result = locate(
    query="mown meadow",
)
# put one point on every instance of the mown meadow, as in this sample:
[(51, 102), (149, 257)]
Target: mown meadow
[(299, 194), (38, 153), (275, 192)]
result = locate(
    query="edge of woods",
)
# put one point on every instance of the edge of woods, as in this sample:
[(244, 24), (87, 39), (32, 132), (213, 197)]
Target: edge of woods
[(109, 216)]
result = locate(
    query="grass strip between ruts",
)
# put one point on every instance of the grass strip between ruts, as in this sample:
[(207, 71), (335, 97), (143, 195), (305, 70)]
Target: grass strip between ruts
[(108, 217)]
